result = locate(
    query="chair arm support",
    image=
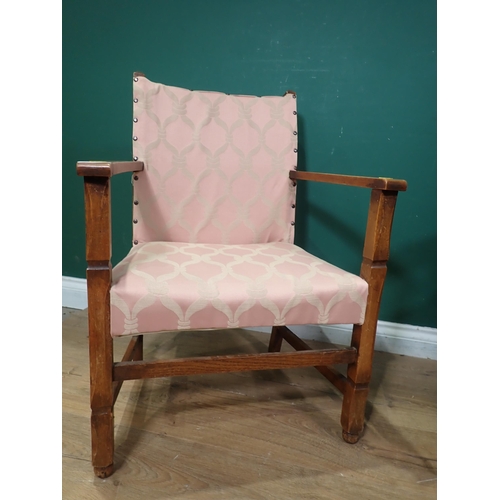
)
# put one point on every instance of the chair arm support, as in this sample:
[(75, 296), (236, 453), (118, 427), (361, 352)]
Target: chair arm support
[(98, 220), (98, 206), (373, 271), (107, 168), (375, 256), (351, 180)]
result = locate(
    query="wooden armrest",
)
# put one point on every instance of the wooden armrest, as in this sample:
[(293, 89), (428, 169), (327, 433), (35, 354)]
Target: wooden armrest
[(107, 168), (383, 183)]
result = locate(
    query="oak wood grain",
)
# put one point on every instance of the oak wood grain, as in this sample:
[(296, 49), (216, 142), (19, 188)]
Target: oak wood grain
[(98, 252), (373, 271), (250, 435), (134, 352), (351, 180), (130, 370), (331, 374), (107, 168)]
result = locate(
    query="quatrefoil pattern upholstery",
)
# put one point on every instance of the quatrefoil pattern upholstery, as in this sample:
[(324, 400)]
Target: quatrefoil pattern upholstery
[(175, 285), (213, 220)]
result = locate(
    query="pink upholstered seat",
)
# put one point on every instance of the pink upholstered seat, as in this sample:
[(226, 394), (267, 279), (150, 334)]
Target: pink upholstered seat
[(173, 286), (214, 212)]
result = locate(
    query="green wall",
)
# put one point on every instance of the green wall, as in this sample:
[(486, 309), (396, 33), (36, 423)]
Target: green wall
[(365, 75)]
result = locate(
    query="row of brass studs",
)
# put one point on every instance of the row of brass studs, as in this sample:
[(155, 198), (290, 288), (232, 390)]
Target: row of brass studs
[(295, 166), (136, 177)]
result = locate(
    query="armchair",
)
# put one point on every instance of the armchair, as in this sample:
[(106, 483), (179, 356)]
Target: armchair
[(215, 179)]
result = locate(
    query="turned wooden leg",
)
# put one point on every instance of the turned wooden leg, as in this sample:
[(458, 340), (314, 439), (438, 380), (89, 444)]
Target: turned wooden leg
[(276, 340)]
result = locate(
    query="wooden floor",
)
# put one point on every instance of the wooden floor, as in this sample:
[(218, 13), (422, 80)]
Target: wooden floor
[(255, 435)]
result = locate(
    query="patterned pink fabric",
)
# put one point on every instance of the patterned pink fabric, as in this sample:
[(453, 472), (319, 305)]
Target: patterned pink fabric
[(176, 286), (213, 220), (216, 166)]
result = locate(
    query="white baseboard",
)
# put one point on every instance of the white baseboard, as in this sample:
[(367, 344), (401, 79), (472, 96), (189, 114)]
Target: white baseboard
[(74, 292), (396, 338)]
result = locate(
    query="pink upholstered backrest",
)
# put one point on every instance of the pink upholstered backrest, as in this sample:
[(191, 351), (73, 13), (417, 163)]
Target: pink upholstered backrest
[(215, 166)]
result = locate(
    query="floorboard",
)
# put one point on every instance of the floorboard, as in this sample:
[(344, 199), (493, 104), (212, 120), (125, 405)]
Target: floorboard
[(253, 435)]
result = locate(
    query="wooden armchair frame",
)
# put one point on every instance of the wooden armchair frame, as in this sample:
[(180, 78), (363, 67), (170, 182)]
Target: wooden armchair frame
[(107, 376)]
